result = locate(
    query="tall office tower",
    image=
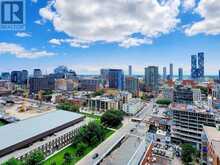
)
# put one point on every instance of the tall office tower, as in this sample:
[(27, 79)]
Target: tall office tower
[(116, 79), (180, 70), (130, 70), (201, 71), (16, 77), (219, 74), (164, 73), (37, 73), (171, 71), (194, 74), (61, 70), (152, 77), (24, 76)]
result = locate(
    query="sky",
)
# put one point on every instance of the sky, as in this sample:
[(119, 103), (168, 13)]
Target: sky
[(86, 35)]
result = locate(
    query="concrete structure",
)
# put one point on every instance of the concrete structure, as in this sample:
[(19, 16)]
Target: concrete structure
[(152, 78), (133, 106), (210, 153), (197, 95), (48, 133), (188, 123), (102, 104)]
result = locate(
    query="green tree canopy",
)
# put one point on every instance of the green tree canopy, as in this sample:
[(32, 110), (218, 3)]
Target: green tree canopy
[(188, 153), (81, 147), (164, 101), (112, 118), (12, 161), (35, 158)]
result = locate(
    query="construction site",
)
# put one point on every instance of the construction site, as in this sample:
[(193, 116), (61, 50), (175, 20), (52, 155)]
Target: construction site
[(16, 108)]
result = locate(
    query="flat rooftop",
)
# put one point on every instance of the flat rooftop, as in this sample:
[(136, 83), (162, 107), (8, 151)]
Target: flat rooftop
[(213, 135), (190, 108), (20, 131)]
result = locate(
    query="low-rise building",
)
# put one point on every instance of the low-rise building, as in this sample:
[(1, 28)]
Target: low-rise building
[(133, 106), (210, 153), (47, 133)]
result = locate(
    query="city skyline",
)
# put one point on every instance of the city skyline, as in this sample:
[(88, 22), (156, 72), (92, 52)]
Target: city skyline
[(187, 30)]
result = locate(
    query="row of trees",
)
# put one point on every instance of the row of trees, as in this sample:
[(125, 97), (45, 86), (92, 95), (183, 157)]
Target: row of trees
[(35, 158), (165, 102), (68, 107)]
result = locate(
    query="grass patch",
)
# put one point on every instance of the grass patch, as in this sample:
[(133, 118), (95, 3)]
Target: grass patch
[(58, 158)]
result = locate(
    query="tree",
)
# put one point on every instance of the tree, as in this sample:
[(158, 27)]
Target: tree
[(68, 107), (164, 101), (53, 163), (12, 161), (91, 134), (81, 147), (67, 158), (112, 118), (188, 152), (98, 93), (35, 158)]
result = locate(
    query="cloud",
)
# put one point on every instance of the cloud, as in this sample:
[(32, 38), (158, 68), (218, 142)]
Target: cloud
[(55, 41), (72, 42), (188, 4), (22, 34), (114, 21), (21, 52), (34, 1), (209, 10), (134, 42), (39, 22)]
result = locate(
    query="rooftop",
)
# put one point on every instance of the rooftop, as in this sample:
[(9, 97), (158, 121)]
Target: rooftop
[(20, 131), (213, 135)]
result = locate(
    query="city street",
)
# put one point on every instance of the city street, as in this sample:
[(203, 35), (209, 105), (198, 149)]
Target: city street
[(104, 148)]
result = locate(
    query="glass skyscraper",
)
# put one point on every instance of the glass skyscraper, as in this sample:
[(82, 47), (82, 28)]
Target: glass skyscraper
[(152, 77), (200, 65), (197, 68), (116, 79), (180, 74), (193, 66)]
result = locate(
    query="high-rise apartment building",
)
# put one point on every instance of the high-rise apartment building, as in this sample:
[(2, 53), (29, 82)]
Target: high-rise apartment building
[(5, 76), (132, 85), (193, 66), (180, 74), (171, 72), (197, 66), (37, 73), (130, 70), (201, 62), (152, 77), (164, 73)]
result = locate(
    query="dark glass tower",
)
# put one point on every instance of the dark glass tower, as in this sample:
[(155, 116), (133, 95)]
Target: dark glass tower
[(201, 65), (193, 66)]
